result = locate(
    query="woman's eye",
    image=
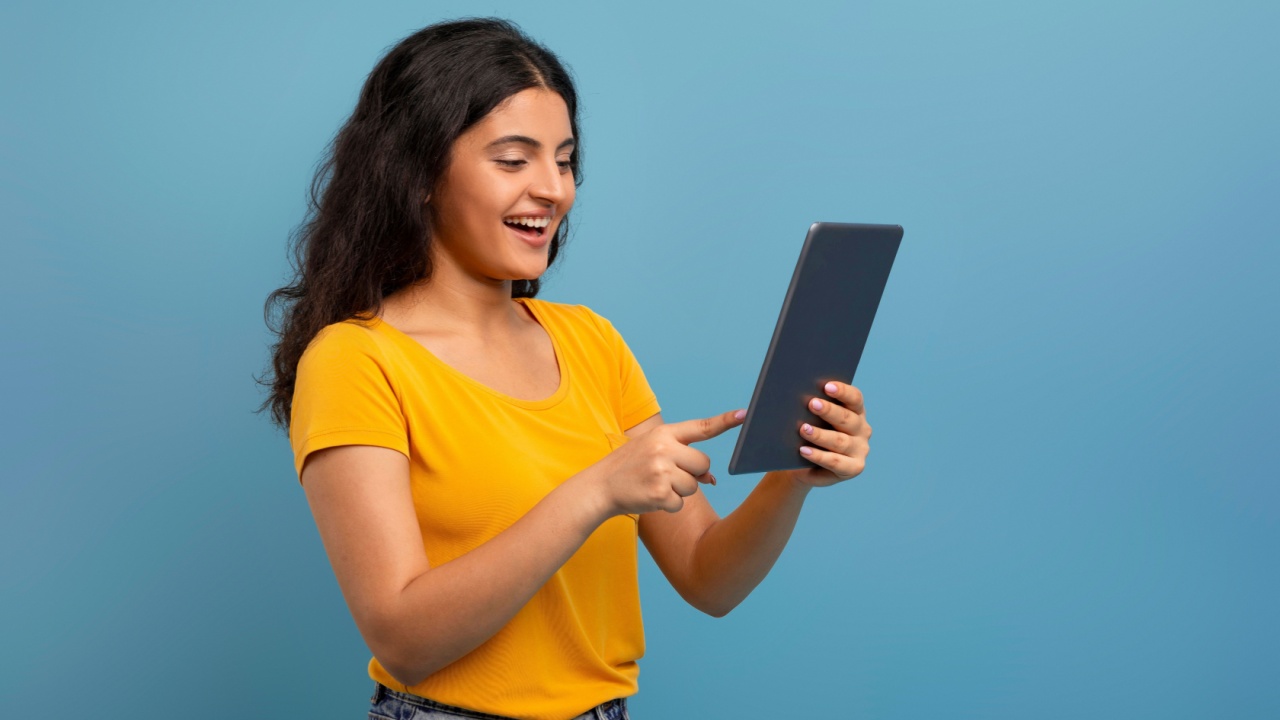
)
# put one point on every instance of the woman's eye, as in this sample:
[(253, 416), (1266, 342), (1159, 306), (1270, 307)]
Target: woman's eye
[(565, 165)]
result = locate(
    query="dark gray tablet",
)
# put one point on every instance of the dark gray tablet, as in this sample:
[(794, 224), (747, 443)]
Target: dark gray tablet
[(840, 276)]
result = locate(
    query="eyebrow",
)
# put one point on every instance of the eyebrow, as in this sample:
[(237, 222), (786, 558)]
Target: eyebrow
[(526, 140)]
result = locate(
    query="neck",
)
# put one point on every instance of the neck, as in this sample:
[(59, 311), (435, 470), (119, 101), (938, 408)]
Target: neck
[(450, 305)]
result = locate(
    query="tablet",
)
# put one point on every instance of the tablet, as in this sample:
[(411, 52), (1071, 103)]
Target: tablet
[(821, 332)]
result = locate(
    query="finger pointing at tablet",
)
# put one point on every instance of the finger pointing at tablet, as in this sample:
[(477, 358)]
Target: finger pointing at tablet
[(657, 470), (690, 431)]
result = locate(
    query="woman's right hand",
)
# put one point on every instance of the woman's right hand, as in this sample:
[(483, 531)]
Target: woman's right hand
[(658, 470)]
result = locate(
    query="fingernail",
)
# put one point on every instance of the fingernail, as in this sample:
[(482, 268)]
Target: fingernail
[(806, 451), (740, 414), (807, 428), (817, 404), (831, 388)]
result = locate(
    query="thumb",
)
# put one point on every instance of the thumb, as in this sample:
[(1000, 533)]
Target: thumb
[(698, 429)]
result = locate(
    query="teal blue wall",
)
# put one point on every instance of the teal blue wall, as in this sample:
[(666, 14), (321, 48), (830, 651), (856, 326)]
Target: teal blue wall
[(1069, 508)]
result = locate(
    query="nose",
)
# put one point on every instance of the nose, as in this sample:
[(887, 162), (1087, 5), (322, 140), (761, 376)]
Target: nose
[(549, 185)]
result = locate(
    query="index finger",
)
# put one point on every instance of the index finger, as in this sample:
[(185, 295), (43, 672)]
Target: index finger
[(699, 429)]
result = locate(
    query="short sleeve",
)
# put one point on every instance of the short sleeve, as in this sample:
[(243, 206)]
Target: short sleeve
[(343, 396), (638, 399)]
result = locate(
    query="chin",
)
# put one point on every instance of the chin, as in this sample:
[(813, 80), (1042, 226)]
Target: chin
[(529, 274)]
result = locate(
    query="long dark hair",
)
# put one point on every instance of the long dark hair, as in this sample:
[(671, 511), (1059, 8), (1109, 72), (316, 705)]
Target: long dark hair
[(367, 231)]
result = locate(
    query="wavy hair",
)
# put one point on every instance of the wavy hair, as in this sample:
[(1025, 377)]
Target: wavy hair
[(367, 232)]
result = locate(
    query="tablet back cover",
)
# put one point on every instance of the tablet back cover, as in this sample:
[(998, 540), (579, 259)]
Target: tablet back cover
[(821, 331)]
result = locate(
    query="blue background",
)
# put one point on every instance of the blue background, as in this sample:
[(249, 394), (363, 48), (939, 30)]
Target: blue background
[(1069, 509)]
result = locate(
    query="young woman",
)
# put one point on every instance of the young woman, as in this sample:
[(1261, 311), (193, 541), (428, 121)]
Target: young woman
[(480, 463)]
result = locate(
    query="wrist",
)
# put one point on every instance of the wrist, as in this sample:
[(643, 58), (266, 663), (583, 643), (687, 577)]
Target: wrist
[(588, 494), (790, 481)]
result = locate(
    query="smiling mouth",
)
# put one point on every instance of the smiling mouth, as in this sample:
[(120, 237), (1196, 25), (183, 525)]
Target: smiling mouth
[(530, 227), (533, 231)]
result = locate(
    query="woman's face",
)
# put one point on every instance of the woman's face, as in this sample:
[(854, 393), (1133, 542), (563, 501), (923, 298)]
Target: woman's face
[(507, 188)]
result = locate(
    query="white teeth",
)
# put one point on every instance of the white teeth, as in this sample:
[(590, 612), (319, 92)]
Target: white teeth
[(536, 222)]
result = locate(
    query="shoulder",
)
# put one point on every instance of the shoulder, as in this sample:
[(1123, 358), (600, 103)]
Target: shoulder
[(344, 343), (575, 316), (588, 331)]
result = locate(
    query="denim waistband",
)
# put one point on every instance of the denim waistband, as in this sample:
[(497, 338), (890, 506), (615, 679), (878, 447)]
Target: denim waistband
[(615, 709)]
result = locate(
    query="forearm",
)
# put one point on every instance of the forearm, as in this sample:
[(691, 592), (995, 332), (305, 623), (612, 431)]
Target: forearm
[(737, 551), (449, 610)]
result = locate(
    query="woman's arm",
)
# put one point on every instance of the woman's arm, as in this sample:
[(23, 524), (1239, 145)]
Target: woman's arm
[(417, 618), (713, 562)]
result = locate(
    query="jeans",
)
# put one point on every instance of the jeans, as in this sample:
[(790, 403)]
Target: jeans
[(388, 704)]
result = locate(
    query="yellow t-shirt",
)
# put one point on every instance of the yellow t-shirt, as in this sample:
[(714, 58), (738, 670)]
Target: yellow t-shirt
[(478, 461)]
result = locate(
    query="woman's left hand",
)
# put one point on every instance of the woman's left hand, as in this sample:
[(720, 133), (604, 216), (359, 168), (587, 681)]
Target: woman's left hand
[(841, 452)]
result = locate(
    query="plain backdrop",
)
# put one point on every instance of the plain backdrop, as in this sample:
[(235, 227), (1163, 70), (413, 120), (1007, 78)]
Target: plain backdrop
[(1071, 505)]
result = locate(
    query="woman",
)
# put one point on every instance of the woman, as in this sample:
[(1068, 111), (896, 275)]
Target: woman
[(480, 463)]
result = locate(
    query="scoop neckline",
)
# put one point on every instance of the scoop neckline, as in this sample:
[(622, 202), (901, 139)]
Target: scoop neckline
[(542, 404)]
